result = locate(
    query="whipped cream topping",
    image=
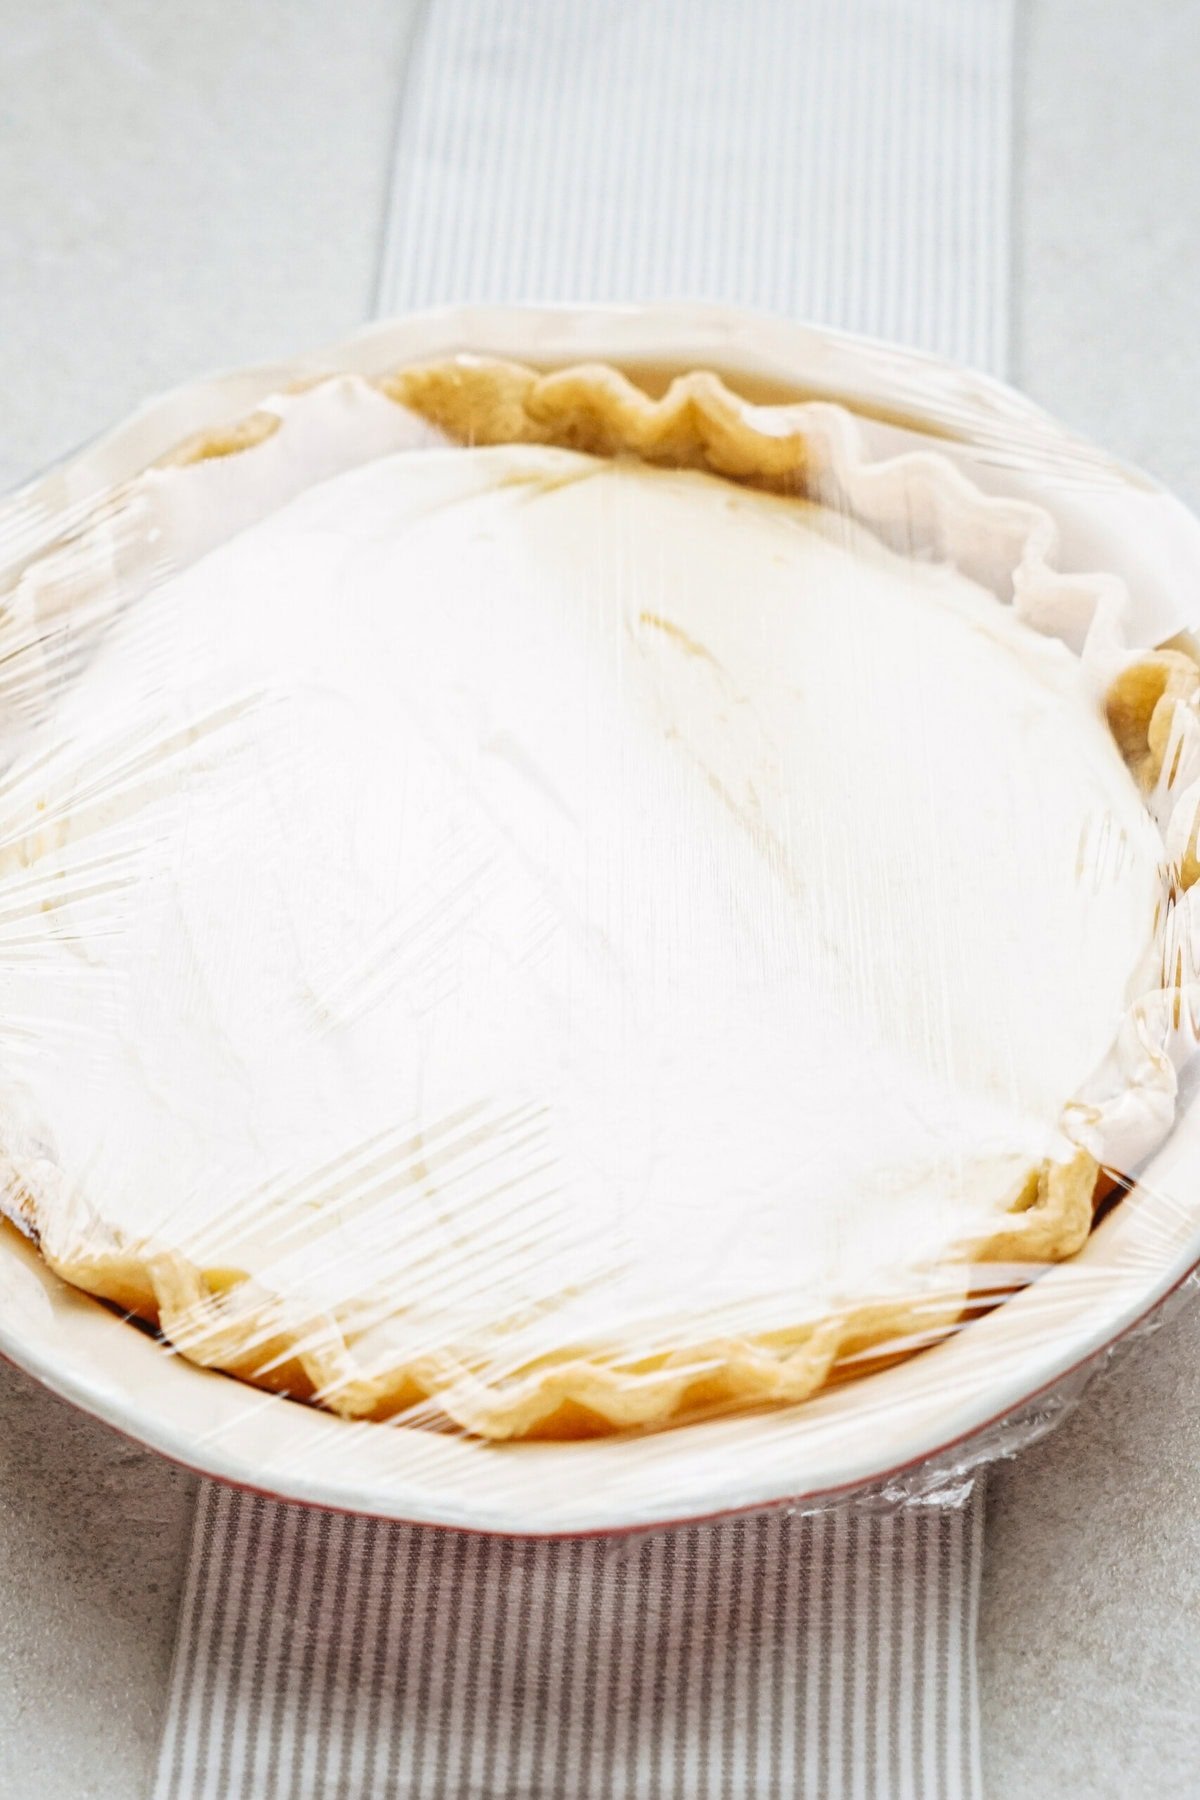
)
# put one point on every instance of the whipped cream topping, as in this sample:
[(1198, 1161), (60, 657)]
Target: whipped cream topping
[(514, 901)]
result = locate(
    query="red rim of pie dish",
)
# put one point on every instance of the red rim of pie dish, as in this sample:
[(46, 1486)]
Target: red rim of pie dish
[(846, 1489)]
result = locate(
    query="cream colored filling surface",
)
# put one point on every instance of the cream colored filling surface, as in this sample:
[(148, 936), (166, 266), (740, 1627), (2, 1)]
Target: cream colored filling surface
[(512, 901)]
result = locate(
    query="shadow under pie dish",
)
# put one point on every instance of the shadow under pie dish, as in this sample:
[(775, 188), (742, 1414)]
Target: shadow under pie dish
[(606, 909)]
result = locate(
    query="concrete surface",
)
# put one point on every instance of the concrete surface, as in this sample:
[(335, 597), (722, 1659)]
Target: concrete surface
[(1090, 1629), (189, 186)]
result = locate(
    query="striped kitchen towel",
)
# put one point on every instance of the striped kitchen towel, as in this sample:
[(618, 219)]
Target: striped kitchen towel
[(845, 161), (830, 1655), (842, 160)]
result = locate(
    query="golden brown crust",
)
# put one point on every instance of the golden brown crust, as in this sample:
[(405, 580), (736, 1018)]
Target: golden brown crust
[(698, 423), (219, 1318), (226, 440), (212, 1317), (1141, 706)]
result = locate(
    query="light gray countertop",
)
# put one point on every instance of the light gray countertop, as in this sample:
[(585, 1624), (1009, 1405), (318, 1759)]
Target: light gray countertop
[(199, 185)]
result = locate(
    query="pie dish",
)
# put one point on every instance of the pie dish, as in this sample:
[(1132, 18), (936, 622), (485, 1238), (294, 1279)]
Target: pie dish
[(616, 909)]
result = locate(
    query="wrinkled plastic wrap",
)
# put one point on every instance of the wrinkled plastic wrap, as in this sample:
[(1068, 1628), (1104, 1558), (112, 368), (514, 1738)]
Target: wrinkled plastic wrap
[(593, 947)]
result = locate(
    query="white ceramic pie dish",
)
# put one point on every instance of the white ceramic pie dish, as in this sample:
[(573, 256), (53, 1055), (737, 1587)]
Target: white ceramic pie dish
[(853, 1432)]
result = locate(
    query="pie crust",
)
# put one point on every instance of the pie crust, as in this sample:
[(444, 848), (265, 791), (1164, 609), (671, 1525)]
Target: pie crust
[(220, 1317)]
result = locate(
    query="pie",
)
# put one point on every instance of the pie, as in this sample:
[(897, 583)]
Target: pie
[(620, 908)]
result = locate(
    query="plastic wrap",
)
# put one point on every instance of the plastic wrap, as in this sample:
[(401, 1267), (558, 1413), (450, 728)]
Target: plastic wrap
[(595, 920)]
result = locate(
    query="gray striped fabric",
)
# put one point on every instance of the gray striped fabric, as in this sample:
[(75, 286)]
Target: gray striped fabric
[(846, 160), (321, 1655)]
